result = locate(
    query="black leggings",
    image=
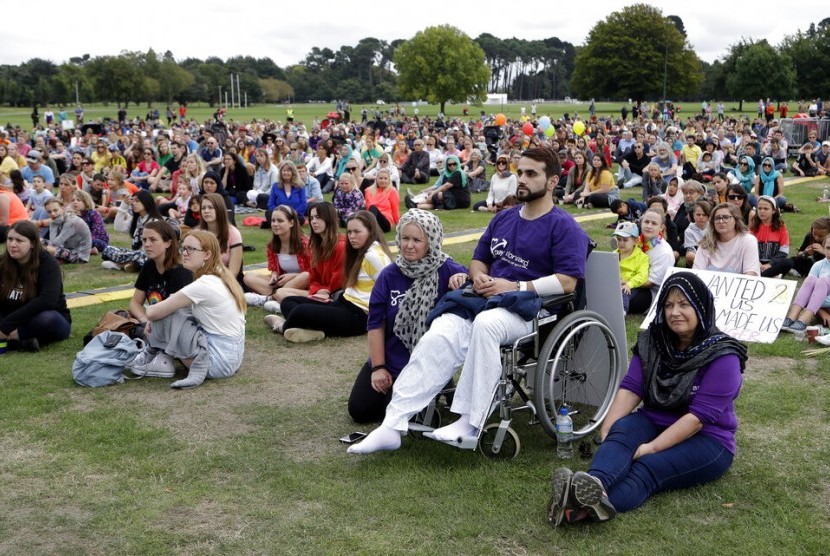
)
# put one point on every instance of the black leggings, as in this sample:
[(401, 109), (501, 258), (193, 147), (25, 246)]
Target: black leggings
[(336, 318), (778, 266), (365, 404), (384, 224), (640, 301)]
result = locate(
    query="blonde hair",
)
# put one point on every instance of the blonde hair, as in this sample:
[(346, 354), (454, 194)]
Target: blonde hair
[(84, 198), (213, 266)]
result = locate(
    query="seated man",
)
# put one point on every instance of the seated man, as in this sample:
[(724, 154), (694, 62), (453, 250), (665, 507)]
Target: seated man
[(416, 167), (509, 258)]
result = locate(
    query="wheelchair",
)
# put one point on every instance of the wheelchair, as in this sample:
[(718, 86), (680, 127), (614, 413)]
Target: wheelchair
[(570, 359)]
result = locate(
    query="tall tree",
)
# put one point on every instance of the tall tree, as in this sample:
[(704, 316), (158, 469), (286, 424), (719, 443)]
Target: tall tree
[(629, 54), (442, 64), (760, 71)]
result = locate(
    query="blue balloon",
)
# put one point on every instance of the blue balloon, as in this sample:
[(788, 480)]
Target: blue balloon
[(544, 122)]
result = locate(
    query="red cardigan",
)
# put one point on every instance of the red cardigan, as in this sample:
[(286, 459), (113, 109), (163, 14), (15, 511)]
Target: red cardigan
[(328, 274), (303, 258)]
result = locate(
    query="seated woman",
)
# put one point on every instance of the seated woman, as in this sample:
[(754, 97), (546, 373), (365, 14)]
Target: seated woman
[(382, 163), (735, 195), (660, 259), (203, 324), (687, 374), (576, 178), (773, 239), (475, 169), (146, 170), (599, 187), (288, 190), (503, 186), (33, 308), (163, 274), (770, 182), (69, 239), (315, 317), (211, 183), (694, 231), (727, 245), (84, 207), (235, 178), (654, 183), (382, 200), (288, 260), (320, 167), (144, 210), (403, 296), (811, 250), (212, 211), (265, 175), (347, 198), (813, 297), (450, 191)]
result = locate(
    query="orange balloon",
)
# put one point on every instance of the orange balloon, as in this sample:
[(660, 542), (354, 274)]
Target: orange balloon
[(500, 119)]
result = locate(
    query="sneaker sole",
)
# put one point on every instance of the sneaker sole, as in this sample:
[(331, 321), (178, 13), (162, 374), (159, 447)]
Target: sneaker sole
[(587, 492), (560, 486), (302, 335)]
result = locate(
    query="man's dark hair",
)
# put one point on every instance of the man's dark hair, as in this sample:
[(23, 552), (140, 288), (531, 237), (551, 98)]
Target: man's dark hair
[(657, 200), (615, 205), (99, 177), (546, 156)]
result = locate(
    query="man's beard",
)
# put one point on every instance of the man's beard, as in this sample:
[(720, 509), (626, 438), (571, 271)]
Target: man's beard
[(526, 196)]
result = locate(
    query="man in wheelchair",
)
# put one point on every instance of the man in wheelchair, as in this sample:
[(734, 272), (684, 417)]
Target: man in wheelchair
[(532, 250)]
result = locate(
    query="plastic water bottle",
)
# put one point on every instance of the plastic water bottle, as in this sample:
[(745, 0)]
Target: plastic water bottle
[(564, 434), (826, 195)]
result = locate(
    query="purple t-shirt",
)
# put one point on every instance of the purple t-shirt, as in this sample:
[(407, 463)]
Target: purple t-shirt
[(712, 399), (387, 294), (519, 249)]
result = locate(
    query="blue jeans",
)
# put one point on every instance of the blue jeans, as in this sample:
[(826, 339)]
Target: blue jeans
[(47, 326), (629, 484)]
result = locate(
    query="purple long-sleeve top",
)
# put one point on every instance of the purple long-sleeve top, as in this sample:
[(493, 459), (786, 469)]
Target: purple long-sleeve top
[(712, 399)]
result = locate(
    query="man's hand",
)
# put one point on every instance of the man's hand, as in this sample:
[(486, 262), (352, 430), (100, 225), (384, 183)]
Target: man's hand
[(488, 287)]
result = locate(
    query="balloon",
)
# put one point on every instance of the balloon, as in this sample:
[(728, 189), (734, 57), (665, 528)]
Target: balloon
[(527, 128), (579, 128), (500, 120), (550, 131), (544, 123)]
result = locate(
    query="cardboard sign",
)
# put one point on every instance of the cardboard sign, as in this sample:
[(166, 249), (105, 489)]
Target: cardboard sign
[(749, 308)]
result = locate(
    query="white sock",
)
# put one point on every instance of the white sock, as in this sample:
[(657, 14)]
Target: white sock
[(380, 439), (453, 431)]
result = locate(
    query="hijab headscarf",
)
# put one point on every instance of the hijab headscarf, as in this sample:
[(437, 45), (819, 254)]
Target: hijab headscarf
[(669, 374), (768, 179), (458, 168), (411, 320), (745, 179), (341, 164)]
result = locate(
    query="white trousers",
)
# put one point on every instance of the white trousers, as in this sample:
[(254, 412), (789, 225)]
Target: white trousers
[(450, 342)]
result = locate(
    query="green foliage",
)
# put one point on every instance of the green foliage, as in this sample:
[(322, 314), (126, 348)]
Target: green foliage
[(756, 70), (275, 90), (809, 54), (626, 53), (442, 64)]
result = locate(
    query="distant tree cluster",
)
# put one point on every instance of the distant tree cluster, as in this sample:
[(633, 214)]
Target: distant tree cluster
[(636, 52)]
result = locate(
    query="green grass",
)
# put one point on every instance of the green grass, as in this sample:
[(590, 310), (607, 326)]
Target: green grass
[(252, 464)]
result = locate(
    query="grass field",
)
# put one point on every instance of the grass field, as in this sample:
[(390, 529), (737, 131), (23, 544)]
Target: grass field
[(252, 465)]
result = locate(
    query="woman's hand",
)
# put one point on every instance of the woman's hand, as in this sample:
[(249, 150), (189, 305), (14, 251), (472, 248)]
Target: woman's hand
[(626, 289), (457, 280), (644, 450), (381, 381), (283, 280), (323, 295)]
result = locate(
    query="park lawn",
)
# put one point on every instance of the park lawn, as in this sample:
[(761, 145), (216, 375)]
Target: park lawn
[(252, 464)]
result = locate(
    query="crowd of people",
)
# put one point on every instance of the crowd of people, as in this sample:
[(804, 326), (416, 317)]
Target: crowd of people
[(712, 197)]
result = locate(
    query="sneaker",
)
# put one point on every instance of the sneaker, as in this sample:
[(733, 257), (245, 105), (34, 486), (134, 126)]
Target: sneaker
[(410, 204), (275, 323), (797, 326), (29, 344), (587, 492), (303, 335), (272, 306), (160, 366), (788, 322), (823, 340), (110, 265), (560, 487), (256, 300)]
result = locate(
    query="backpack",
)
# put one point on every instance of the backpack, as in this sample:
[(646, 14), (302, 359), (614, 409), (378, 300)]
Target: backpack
[(102, 361)]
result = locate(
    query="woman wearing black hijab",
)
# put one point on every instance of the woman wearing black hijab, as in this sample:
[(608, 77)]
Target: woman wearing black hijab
[(687, 373)]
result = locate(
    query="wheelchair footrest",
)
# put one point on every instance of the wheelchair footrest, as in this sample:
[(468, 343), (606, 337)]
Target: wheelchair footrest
[(462, 442)]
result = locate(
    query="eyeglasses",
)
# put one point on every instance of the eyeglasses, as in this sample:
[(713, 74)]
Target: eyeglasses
[(767, 165), (452, 165), (735, 197), (744, 163), (186, 250), (723, 218), (351, 168), (501, 163)]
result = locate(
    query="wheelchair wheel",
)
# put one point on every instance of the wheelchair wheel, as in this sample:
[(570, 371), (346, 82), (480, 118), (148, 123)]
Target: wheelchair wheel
[(579, 368), (510, 445)]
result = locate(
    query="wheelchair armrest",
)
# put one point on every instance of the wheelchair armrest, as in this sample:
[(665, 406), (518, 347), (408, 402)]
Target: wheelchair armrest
[(551, 301)]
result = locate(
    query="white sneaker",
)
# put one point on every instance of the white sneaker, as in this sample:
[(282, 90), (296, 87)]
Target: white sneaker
[(160, 366), (272, 306), (110, 265), (255, 300), (275, 323)]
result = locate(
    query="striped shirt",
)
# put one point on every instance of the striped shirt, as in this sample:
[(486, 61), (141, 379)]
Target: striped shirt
[(374, 261)]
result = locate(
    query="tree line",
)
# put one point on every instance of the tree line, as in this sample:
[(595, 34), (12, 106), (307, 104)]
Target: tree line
[(636, 53)]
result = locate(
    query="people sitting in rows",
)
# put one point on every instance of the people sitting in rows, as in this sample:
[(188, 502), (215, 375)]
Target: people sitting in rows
[(449, 192), (69, 239), (142, 209)]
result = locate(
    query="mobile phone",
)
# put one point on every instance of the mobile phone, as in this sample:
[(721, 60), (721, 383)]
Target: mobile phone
[(353, 437)]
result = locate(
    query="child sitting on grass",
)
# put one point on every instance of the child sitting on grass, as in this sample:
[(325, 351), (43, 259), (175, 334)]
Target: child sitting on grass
[(633, 262)]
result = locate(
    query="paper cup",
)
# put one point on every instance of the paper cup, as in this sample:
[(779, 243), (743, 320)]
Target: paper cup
[(812, 333)]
